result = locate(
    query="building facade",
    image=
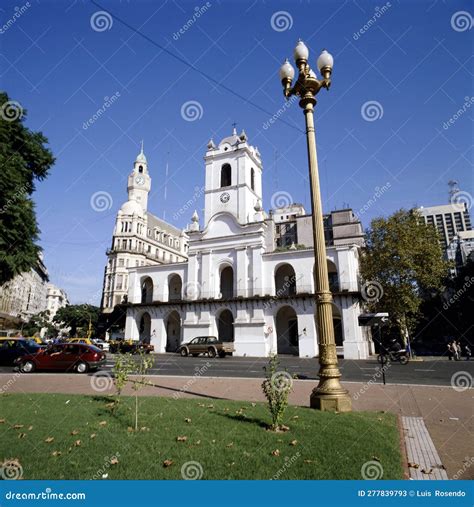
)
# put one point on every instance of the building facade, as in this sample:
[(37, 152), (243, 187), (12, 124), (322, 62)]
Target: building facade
[(56, 298), (25, 295), (139, 238), (449, 220), (248, 277)]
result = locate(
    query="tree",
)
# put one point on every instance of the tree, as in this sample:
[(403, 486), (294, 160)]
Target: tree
[(36, 323), (24, 159), (77, 316), (401, 262)]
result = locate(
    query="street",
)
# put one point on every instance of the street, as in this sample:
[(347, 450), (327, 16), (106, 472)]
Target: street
[(431, 371)]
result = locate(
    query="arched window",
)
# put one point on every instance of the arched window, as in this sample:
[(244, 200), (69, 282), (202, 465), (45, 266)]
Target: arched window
[(226, 178), (174, 288), (285, 281), (227, 283), (140, 168), (252, 179), (147, 291)]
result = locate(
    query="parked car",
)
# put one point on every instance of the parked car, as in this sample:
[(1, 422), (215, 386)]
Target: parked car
[(76, 357), (13, 348), (85, 341), (209, 345), (102, 344), (130, 347)]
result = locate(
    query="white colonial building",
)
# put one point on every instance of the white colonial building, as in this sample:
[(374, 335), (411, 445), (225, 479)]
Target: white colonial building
[(139, 239), (243, 275)]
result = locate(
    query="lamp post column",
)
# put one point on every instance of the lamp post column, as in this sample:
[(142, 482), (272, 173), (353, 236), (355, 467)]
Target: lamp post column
[(329, 394)]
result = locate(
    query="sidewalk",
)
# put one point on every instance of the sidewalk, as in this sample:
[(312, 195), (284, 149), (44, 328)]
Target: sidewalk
[(447, 413)]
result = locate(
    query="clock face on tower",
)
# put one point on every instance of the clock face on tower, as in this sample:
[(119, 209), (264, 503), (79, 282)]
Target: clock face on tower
[(139, 180), (225, 197)]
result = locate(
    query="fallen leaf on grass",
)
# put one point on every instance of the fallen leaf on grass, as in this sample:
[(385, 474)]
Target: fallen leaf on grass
[(231, 464), (21, 435), (2, 421), (56, 453), (181, 439), (187, 420), (167, 463), (114, 461), (254, 404), (308, 461), (210, 406), (30, 428), (276, 452), (296, 417), (48, 440), (104, 476), (93, 435), (77, 443), (18, 426), (130, 429), (231, 444), (110, 405), (198, 442), (103, 423), (144, 428), (293, 442), (75, 432)]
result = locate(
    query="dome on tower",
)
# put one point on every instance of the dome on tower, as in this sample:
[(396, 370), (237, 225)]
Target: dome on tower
[(131, 207), (232, 140), (141, 156)]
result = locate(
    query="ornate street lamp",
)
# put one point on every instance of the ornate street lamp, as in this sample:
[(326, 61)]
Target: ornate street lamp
[(329, 394)]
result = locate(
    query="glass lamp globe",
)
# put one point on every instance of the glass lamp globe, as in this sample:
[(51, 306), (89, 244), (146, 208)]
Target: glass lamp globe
[(325, 60), (287, 71), (301, 51)]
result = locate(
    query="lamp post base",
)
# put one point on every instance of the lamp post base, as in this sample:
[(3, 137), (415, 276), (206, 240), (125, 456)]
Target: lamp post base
[(331, 402)]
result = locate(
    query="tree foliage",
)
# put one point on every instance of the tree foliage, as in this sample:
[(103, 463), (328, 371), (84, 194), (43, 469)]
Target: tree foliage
[(403, 260), (77, 316), (36, 323), (24, 159)]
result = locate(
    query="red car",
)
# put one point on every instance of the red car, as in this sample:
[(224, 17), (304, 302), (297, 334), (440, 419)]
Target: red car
[(76, 357)]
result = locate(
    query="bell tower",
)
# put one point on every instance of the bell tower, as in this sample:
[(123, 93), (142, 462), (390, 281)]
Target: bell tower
[(139, 181), (233, 178)]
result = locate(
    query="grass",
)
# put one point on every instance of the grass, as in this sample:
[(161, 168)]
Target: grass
[(228, 439)]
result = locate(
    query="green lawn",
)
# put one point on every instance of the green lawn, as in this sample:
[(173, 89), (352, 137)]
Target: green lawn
[(227, 439)]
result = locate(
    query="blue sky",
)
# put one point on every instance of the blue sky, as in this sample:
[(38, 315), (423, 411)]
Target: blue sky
[(414, 61)]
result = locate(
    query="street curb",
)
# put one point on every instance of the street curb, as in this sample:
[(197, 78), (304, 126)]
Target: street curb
[(403, 448)]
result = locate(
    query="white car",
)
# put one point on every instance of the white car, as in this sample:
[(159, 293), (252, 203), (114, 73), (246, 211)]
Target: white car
[(102, 344)]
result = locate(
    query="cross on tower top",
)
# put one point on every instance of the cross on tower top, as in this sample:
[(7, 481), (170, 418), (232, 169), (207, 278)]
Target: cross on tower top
[(234, 130)]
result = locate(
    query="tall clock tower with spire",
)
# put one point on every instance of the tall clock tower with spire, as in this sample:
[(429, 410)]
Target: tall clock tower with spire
[(139, 181)]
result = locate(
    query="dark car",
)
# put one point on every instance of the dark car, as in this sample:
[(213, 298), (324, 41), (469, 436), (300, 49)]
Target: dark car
[(13, 348), (130, 347), (209, 345), (76, 357)]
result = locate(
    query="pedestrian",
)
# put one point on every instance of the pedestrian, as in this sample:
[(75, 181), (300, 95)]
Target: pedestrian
[(450, 351), (457, 350), (467, 350)]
